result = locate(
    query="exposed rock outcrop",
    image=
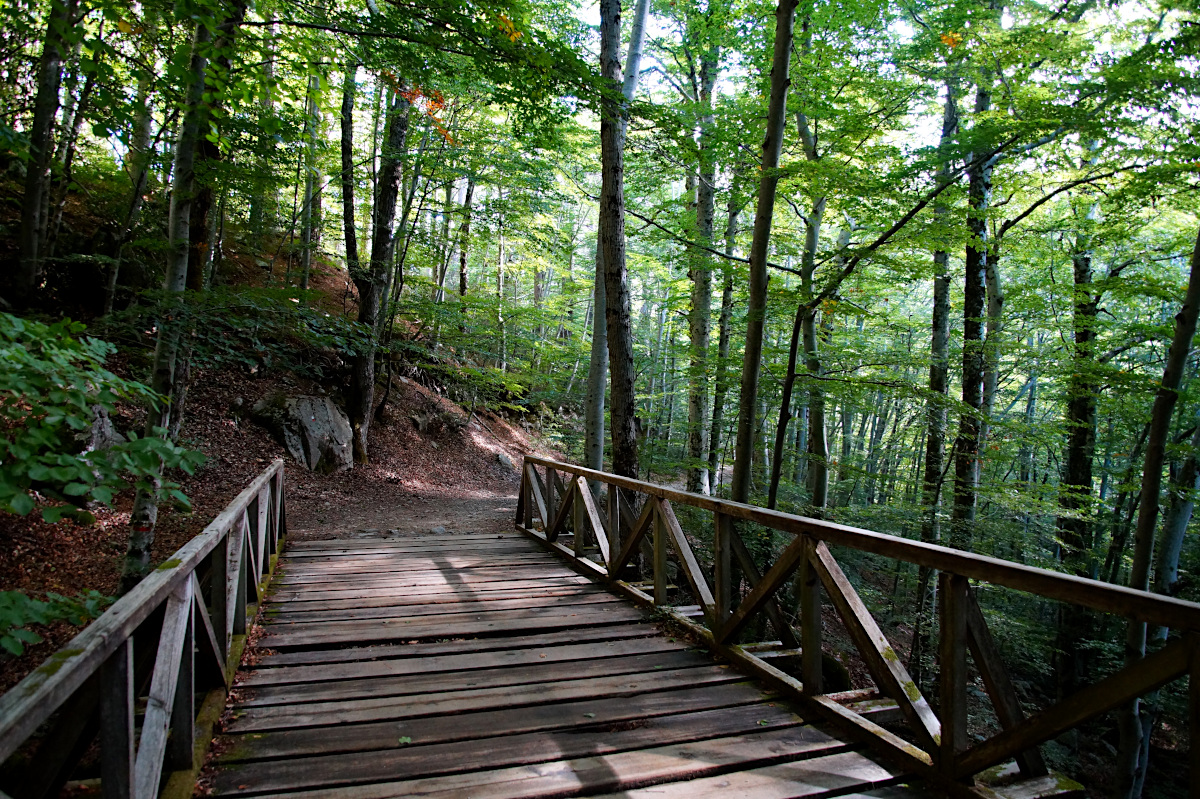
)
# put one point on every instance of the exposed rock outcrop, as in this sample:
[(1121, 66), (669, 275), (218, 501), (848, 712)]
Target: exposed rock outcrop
[(314, 430)]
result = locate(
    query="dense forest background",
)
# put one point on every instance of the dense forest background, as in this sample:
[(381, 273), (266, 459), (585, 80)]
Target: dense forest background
[(912, 266)]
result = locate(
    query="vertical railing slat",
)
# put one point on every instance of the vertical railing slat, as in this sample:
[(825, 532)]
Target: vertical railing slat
[(722, 567), (952, 658), (117, 723), (660, 555), (152, 745), (182, 741), (809, 582)]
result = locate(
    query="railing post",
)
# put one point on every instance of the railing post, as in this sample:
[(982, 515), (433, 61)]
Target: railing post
[(660, 555), (1194, 715), (551, 501), (578, 517), (222, 627), (614, 523), (722, 567), (809, 584), (117, 724), (527, 496), (952, 659)]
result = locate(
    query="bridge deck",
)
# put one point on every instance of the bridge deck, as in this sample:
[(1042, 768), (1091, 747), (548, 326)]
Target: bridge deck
[(478, 665)]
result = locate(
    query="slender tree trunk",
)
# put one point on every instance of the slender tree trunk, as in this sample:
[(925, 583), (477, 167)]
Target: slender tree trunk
[(372, 286), (966, 447), (593, 447), (700, 272), (920, 658), (41, 149), (311, 131), (785, 20), (349, 227), (612, 245), (1130, 769), (804, 318), (724, 323)]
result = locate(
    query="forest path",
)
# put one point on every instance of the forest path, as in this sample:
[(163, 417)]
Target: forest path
[(475, 664)]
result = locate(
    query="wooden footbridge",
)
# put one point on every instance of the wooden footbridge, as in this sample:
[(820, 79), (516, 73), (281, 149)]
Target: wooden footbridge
[(539, 663)]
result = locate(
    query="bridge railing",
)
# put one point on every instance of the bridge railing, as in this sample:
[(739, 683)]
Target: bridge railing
[(562, 496), (178, 634)]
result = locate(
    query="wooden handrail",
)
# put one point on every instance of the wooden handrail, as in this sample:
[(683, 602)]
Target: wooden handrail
[(944, 753), (96, 670), (1119, 600)]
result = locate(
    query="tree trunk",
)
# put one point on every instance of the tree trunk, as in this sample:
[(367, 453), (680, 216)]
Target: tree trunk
[(612, 245), (311, 131), (197, 114), (700, 271), (372, 286), (1130, 767), (349, 227), (966, 447), (41, 149), (785, 19), (920, 658), (723, 326), (593, 447)]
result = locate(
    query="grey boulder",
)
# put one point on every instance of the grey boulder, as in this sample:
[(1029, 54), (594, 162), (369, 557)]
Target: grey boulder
[(313, 429)]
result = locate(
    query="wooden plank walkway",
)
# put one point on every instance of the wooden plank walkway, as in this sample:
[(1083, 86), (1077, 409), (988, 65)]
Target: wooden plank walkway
[(476, 665)]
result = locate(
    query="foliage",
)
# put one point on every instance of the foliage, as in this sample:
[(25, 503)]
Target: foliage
[(52, 382), (18, 611), (253, 330)]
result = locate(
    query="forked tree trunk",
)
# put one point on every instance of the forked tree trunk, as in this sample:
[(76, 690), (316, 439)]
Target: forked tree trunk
[(373, 283)]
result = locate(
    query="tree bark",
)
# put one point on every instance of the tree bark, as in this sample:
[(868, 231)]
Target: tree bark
[(349, 227), (612, 246), (1130, 766), (164, 371), (41, 149), (785, 20), (311, 132), (724, 322), (593, 447), (372, 285), (966, 447), (700, 271)]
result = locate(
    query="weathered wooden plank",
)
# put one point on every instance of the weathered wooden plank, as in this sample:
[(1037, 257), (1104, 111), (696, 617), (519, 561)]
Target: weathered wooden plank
[(416, 760), (691, 567), (614, 772), (567, 593), (464, 661), (152, 745), (431, 627), (998, 684), (348, 566), (438, 704), (381, 609), (485, 582), (592, 713), (421, 684), (450, 576), (823, 776), (1147, 674), (116, 723), (877, 653), (300, 548), (615, 632)]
